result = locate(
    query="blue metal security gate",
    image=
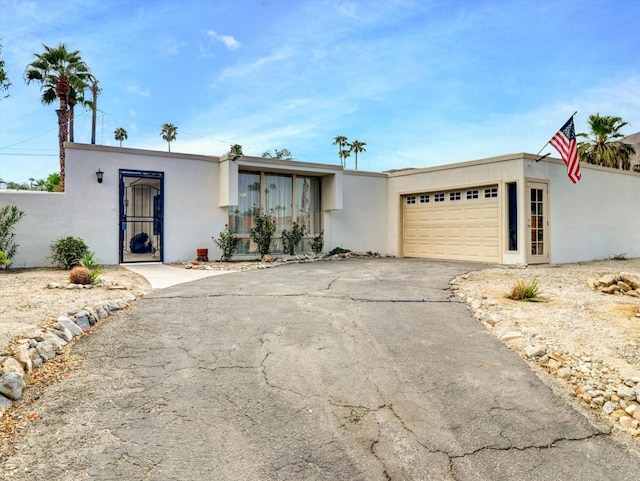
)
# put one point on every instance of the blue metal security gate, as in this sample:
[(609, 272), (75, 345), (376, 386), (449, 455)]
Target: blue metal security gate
[(141, 216)]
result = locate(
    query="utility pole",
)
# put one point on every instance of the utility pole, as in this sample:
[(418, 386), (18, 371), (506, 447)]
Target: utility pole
[(94, 107)]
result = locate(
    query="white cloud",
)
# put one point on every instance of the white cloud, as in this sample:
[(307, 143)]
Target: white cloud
[(242, 70), (135, 89), (228, 41)]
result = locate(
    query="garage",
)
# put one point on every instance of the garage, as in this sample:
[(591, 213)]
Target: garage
[(458, 224)]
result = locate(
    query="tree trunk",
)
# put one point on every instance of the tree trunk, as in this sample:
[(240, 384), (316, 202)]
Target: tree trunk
[(72, 104), (94, 108), (63, 124)]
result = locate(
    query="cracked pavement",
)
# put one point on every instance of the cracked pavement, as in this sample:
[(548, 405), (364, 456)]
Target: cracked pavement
[(347, 370)]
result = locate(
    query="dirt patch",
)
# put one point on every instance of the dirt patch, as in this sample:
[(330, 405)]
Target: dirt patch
[(27, 302), (578, 319)]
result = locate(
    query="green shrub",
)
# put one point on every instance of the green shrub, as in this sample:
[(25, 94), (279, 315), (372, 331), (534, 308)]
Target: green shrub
[(317, 243), (525, 291), (68, 251), (291, 239), (227, 242), (88, 261), (9, 216), (4, 260), (264, 226), (338, 250)]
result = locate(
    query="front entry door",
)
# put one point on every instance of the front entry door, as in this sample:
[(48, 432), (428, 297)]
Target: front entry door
[(141, 216), (538, 223)]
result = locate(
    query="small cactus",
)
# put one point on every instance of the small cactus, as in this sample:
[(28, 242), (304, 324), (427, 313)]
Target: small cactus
[(80, 275)]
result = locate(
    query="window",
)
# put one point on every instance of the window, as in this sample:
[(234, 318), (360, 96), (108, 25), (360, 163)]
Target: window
[(512, 216), (288, 197), (424, 198), (472, 194), (454, 195), (438, 197), (491, 193), (411, 199)]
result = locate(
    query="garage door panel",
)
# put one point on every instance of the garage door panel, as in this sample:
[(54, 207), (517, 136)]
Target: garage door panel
[(466, 229)]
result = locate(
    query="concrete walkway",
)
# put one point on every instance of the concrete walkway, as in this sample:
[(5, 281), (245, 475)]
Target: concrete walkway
[(161, 276)]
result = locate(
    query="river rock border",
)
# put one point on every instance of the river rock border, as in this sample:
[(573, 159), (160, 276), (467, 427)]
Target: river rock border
[(41, 345)]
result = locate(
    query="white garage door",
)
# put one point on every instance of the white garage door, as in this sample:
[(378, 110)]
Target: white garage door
[(457, 224)]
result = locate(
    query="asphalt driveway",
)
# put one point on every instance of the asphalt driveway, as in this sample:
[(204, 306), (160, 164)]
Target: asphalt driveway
[(345, 370)]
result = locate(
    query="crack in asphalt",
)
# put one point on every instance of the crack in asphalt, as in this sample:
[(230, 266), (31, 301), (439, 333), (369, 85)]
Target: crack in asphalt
[(451, 299)]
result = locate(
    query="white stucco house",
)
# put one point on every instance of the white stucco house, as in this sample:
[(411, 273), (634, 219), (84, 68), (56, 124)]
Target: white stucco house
[(504, 210)]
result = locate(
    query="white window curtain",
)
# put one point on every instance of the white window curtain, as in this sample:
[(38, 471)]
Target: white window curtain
[(278, 191), (308, 203), (248, 198)]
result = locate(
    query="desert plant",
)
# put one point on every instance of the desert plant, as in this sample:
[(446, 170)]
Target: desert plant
[(227, 242), (317, 243), (291, 239), (67, 251), (9, 216), (338, 250), (525, 291), (89, 262), (4, 260), (619, 257), (264, 226), (80, 275)]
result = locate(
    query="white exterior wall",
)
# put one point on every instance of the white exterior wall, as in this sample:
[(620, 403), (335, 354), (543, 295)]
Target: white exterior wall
[(361, 225), (498, 170), (595, 218), (90, 210)]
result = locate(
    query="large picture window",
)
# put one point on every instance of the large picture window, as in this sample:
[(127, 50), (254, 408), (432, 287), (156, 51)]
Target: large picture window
[(287, 197)]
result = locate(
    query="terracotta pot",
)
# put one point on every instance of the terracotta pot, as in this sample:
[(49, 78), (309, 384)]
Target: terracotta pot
[(202, 255)]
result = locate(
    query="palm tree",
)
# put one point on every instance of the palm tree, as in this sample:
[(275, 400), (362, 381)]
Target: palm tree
[(61, 74), (283, 154), (120, 134), (341, 141), (4, 79), (603, 146), (356, 147), (169, 133)]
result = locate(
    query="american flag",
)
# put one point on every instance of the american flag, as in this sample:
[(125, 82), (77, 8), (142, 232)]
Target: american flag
[(565, 143)]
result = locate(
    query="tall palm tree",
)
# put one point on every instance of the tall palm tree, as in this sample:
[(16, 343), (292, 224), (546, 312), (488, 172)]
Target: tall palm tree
[(603, 146), (61, 74), (341, 141), (356, 147), (169, 134), (120, 134)]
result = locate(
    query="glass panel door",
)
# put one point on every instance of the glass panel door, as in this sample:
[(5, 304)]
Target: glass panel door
[(538, 223)]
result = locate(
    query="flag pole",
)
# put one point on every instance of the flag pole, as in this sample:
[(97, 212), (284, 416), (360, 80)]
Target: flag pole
[(540, 158)]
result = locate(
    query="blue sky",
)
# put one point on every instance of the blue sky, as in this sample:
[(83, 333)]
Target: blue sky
[(422, 82)]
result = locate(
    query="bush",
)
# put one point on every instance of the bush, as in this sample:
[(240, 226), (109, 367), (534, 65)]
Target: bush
[(4, 260), (525, 291), (68, 251), (264, 226), (9, 216), (291, 239), (89, 262), (80, 275), (317, 243), (338, 250), (227, 242)]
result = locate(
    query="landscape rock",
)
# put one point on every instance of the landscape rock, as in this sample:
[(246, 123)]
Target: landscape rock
[(5, 403), (11, 364), (46, 351), (626, 393), (21, 354), (83, 323), (64, 334), (11, 385), (57, 343), (66, 323)]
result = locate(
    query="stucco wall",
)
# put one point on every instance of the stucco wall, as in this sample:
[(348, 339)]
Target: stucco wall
[(90, 210), (361, 224), (497, 170), (595, 218)]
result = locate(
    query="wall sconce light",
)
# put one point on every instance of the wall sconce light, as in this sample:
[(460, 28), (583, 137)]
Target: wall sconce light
[(99, 175), (235, 157)]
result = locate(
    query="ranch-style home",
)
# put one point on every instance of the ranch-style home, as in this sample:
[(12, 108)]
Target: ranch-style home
[(132, 205)]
